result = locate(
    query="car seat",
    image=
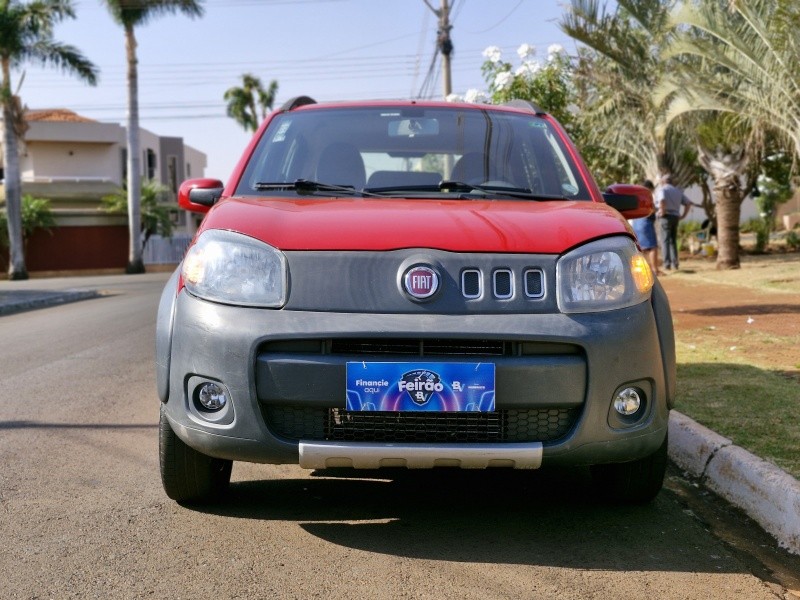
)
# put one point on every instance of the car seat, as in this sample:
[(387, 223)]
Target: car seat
[(341, 164)]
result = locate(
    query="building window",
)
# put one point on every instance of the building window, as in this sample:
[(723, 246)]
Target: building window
[(150, 163), (188, 170), (172, 173)]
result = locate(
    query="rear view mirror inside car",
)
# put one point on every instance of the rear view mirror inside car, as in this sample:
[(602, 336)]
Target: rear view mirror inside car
[(413, 127)]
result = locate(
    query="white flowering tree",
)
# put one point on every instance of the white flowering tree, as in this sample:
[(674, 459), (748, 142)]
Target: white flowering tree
[(556, 85), (548, 83)]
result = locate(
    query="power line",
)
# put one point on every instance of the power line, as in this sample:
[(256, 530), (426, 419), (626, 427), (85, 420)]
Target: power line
[(226, 3), (503, 20), (423, 34), (426, 90), (285, 68)]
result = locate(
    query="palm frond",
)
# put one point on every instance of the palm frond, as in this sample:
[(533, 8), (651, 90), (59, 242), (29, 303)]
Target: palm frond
[(63, 56), (742, 59), (133, 13)]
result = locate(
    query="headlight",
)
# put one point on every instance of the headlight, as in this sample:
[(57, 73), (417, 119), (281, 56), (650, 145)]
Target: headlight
[(232, 268), (603, 275)]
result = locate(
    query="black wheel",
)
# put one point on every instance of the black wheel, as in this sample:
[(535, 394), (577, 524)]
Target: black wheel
[(635, 482), (187, 475)]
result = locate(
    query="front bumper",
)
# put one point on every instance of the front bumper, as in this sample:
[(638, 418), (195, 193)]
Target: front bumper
[(570, 364), (363, 455)]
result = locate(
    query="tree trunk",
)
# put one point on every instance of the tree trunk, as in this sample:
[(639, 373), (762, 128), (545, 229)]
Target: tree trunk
[(725, 169), (729, 208), (253, 122), (135, 263), (13, 186)]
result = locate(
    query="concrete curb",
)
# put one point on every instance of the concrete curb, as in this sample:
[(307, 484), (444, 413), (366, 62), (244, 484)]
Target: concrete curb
[(764, 492), (22, 300)]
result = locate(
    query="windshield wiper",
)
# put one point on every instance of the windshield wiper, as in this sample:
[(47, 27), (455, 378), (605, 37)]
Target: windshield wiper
[(497, 190), (304, 186)]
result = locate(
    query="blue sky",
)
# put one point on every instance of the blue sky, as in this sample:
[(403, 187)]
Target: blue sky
[(327, 49)]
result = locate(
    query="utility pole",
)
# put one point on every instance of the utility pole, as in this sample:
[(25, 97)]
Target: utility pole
[(444, 43)]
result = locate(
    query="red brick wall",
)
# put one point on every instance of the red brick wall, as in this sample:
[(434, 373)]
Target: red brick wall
[(75, 248)]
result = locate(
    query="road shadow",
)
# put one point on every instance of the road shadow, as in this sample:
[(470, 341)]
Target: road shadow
[(540, 518), (8, 425), (746, 310)]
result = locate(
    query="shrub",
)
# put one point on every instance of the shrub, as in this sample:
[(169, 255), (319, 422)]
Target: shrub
[(750, 226), (793, 240), (36, 213), (685, 231)]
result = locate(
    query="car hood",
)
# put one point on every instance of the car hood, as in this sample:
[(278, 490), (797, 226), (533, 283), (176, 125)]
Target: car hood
[(550, 227)]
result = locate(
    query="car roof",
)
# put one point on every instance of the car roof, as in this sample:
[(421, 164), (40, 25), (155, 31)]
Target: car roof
[(308, 103)]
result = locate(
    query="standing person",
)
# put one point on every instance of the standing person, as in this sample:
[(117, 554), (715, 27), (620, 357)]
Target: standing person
[(645, 230), (672, 205)]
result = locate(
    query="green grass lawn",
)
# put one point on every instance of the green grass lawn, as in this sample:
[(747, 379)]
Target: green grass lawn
[(747, 401), (758, 409)]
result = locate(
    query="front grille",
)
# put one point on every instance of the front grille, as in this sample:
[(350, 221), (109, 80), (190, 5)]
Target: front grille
[(421, 347), (415, 347), (334, 424)]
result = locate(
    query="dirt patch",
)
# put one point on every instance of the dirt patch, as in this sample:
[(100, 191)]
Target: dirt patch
[(760, 327)]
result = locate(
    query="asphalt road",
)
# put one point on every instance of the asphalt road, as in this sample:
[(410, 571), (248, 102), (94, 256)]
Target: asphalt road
[(83, 515)]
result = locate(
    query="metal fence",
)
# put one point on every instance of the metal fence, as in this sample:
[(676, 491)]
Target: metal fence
[(166, 251)]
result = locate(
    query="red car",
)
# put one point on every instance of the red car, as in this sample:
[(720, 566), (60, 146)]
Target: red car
[(413, 284)]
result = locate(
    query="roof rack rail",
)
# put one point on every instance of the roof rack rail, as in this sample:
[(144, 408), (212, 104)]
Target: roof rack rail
[(525, 105), (296, 102)]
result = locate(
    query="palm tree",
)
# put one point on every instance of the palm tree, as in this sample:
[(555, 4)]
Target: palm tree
[(740, 59), (26, 35), (156, 217), (130, 14), (243, 102), (617, 77), (745, 60), (728, 150), (641, 105)]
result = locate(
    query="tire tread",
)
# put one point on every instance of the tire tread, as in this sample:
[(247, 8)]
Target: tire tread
[(188, 476)]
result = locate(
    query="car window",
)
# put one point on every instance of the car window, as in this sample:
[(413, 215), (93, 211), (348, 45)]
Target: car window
[(412, 149)]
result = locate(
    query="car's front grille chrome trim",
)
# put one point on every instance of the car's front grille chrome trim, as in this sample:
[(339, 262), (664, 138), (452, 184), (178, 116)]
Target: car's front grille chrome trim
[(534, 284), (471, 284), (503, 284)]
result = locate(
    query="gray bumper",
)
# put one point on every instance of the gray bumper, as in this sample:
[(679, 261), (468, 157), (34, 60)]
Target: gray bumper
[(326, 455), (226, 344)]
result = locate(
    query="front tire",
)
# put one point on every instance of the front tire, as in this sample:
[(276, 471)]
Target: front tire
[(187, 475), (635, 482)]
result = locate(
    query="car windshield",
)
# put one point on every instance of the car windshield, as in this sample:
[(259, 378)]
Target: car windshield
[(412, 152)]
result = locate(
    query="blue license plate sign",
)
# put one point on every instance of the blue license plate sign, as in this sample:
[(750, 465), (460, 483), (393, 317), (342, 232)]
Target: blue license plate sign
[(426, 386)]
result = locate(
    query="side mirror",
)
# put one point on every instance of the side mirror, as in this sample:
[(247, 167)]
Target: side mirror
[(633, 201), (199, 195)]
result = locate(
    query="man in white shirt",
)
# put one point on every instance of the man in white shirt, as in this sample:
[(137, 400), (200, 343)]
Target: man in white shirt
[(672, 205)]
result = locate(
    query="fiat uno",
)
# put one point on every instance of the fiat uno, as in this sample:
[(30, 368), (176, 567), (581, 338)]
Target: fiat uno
[(413, 284)]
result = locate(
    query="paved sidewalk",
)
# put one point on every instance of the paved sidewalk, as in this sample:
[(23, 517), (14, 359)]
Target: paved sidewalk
[(14, 301), (768, 495)]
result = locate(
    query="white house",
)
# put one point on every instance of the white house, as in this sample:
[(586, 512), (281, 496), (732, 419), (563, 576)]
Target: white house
[(74, 161)]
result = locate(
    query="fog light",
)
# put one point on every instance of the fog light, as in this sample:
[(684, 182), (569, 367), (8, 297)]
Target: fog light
[(627, 401), (211, 396)]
